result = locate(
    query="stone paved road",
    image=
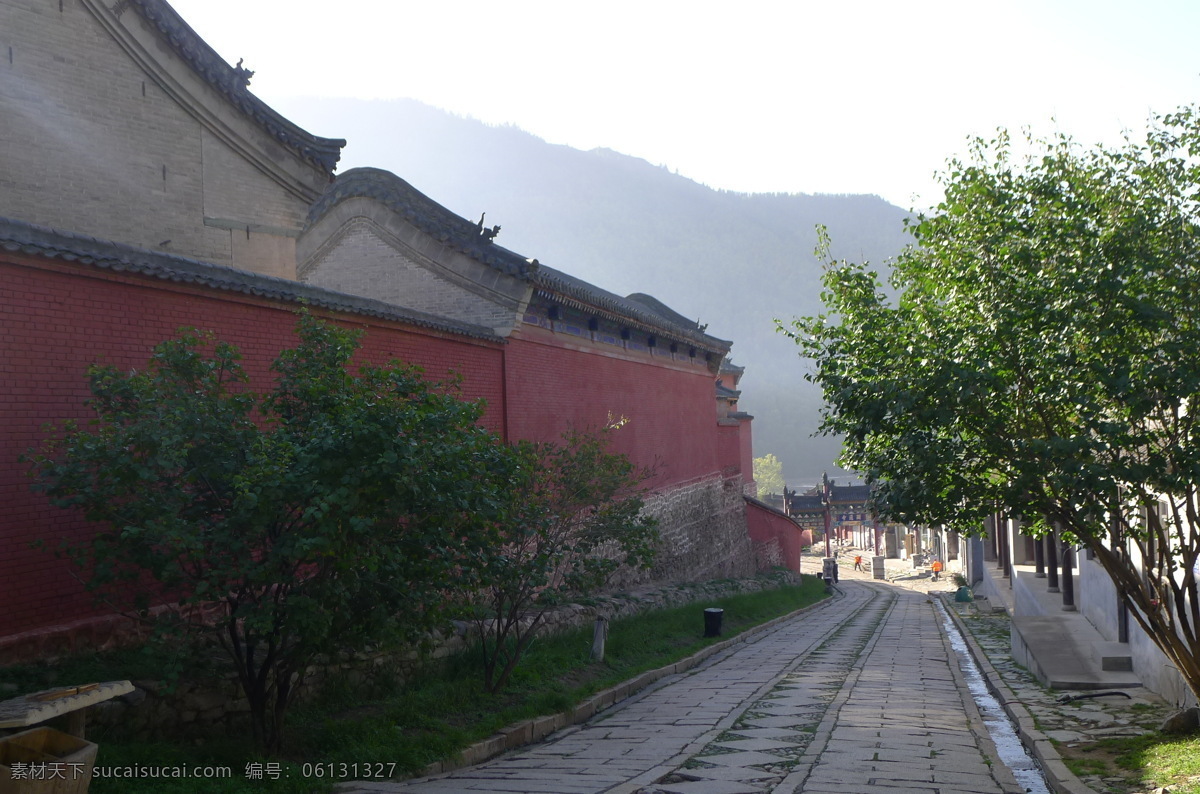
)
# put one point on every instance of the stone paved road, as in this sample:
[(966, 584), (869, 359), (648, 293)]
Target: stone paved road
[(861, 694)]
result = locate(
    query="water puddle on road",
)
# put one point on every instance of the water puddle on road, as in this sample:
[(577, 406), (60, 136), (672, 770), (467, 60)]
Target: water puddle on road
[(1003, 733)]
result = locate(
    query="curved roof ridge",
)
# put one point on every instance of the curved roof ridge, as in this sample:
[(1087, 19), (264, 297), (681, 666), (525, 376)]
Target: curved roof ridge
[(658, 307), (759, 503), (423, 212), (21, 236), (231, 82), (464, 236)]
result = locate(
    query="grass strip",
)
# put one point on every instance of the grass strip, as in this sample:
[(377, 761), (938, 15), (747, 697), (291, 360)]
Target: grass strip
[(388, 728)]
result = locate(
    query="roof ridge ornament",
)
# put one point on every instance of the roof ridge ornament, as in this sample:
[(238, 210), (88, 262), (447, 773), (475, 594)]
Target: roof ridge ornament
[(242, 75), (487, 234)]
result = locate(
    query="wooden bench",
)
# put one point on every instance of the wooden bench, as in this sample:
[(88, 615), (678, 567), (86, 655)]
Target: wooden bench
[(39, 707)]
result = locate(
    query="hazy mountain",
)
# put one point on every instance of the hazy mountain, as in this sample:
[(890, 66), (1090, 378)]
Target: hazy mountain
[(732, 260)]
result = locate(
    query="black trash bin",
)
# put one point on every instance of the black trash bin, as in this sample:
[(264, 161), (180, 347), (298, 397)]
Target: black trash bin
[(712, 622)]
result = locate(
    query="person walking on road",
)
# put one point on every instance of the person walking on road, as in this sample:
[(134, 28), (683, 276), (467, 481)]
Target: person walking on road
[(858, 562), (936, 567)]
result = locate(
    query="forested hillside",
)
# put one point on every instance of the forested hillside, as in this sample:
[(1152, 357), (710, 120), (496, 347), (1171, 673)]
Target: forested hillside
[(731, 260)]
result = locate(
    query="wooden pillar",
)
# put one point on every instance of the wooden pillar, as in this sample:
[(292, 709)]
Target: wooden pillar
[(989, 545), (1039, 558), (1029, 550), (1050, 540), (1005, 548), (1115, 543), (826, 495), (1068, 578), (828, 528), (1001, 541)]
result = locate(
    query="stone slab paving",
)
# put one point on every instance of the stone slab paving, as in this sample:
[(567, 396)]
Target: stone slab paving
[(794, 708), (878, 707), (904, 721), (651, 734), (860, 695)]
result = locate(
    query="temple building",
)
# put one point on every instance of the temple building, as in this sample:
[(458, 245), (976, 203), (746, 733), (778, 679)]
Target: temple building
[(144, 188)]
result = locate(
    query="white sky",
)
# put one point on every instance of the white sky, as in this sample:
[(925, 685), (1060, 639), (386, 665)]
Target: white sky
[(808, 96)]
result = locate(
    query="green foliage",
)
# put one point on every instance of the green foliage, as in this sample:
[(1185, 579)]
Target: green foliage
[(1042, 356), (322, 516), (1152, 761), (432, 716), (768, 474), (576, 520), (1158, 757)]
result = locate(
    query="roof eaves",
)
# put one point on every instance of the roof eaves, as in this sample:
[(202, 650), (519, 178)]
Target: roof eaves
[(729, 368), (28, 238), (424, 213), (468, 238), (771, 508), (556, 285), (661, 309), (232, 82)]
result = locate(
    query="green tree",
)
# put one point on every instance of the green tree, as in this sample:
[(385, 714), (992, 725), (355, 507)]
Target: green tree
[(768, 474), (323, 516), (1042, 357), (578, 520)]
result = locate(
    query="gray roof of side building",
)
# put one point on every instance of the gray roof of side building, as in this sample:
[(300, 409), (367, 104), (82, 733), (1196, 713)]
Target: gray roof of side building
[(850, 493), (21, 237), (465, 236), (661, 309), (806, 502), (231, 82), (729, 368)]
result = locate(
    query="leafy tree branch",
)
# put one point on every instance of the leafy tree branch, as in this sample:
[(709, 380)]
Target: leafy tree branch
[(1041, 356)]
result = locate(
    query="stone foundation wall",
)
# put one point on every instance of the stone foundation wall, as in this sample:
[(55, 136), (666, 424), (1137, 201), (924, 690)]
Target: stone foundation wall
[(704, 533), (769, 554)]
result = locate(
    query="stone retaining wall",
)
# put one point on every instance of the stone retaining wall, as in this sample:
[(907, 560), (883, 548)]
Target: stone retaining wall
[(703, 530)]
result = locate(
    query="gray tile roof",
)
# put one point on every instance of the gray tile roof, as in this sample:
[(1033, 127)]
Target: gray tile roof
[(726, 393), (661, 309), (729, 368), (27, 238), (232, 82), (850, 493), (423, 212), (771, 508), (466, 237), (806, 503)]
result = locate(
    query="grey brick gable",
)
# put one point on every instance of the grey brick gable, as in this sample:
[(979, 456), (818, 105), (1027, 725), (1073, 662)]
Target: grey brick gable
[(366, 260), (443, 257)]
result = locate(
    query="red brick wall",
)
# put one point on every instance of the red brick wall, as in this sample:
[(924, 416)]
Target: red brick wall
[(731, 450), (770, 528), (56, 318), (556, 381), (746, 456)]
